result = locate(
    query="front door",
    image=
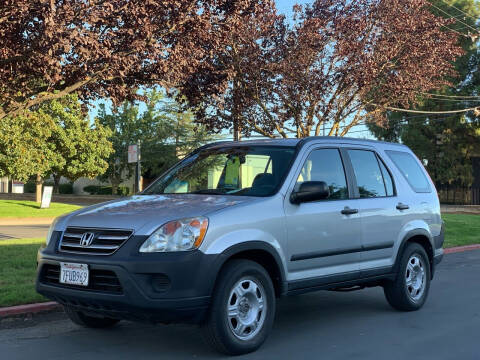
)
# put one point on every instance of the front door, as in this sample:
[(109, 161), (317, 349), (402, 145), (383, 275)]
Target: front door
[(324, 237)]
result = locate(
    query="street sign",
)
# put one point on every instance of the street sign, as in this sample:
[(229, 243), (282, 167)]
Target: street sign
[(46, 197), (132, 153)]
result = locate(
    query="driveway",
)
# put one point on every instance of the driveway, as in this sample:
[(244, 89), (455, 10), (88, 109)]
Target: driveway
[(323, 325)]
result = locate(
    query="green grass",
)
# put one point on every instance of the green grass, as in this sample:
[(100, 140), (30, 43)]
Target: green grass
[(461, 229), (18, 271), (26, 209)]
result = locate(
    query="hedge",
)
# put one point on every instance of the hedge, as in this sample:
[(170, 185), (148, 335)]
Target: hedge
[(30, 187), (105, 190)]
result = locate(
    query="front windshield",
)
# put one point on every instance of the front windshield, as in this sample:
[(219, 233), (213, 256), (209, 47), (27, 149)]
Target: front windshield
[(240, 170)]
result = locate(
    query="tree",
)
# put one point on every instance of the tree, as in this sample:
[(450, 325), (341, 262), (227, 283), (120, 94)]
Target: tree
[(124, 128), (82, 146), (106, 48), (341, 62), (25, 150), (56, 138), (445, 142), (164, 130)]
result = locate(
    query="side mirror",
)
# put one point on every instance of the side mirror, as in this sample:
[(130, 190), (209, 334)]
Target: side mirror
[(310, 191)]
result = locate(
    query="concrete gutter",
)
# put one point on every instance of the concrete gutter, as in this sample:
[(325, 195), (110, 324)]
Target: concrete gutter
[(462, 249), (28, 309)]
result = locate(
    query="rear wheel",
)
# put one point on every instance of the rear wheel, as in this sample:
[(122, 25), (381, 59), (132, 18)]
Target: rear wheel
[(410, 289), (80, 318), (242, 310)]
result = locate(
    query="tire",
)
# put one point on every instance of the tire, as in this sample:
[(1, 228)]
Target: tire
[(81, 319), (242, 311), (410, 289)]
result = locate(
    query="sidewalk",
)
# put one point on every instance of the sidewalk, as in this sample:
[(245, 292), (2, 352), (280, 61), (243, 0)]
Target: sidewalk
[(26, 221)]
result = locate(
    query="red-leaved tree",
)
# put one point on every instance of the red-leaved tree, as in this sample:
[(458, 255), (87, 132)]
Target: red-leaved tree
[(106, 48), (340, 63)]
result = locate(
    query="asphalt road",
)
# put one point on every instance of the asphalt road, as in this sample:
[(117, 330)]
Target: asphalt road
[(23, 231), (323, 325)]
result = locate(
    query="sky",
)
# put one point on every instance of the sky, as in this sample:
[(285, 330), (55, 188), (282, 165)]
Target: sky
[(285, 6)]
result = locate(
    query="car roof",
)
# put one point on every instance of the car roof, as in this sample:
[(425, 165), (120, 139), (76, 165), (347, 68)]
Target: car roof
[(294, 142)]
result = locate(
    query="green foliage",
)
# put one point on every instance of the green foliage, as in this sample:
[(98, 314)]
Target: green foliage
[(65, 189), (165, 132), (83, 147), (105, 190), (56, 138), (29, 187), (25, 149), (445, 142)]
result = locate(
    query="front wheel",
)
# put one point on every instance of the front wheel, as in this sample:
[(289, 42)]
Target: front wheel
[(82, 319), (410, 289), (242, 310)]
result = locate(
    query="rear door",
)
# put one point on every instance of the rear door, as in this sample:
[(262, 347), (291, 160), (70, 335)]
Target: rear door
[(323, 239), (380, 209)]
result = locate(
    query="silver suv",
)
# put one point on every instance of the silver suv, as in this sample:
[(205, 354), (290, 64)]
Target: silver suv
[(232, 227)]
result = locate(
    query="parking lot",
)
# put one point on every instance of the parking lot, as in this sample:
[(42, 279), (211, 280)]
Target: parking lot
[(328, 325)]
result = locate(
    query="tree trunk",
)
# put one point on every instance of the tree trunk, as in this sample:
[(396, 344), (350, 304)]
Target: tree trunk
[(115, 184), (38, 191), (56, 183), (237, 131)]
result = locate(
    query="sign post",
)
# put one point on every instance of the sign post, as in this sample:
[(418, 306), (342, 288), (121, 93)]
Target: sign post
[(134, 157), (46, 197)]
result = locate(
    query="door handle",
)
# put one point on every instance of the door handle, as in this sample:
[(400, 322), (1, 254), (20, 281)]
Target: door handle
[(401, 206), (348, 211)]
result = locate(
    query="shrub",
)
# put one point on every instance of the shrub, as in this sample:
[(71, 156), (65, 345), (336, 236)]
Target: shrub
[(65, 188), (30, 187), (105, 190)]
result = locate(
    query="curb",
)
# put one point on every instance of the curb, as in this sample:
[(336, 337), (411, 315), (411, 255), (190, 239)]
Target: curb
[(458, 249), (51, 306), (28, 309)]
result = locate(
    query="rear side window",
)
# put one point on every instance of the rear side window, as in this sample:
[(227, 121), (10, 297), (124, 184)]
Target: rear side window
[(411, 170), (368, 174)]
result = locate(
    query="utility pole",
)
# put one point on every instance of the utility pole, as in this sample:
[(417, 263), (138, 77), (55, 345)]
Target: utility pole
[(138, 178), (135, 157)]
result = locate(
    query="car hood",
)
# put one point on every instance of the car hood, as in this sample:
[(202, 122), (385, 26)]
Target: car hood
[(145, 213)]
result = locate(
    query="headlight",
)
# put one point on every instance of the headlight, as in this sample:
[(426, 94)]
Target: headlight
[(50, 230), (179, 235)]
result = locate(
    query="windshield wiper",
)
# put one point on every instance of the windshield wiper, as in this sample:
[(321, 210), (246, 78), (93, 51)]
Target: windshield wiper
[(208, 191)]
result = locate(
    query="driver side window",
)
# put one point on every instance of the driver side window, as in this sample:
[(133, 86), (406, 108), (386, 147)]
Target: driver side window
[(326, 165)]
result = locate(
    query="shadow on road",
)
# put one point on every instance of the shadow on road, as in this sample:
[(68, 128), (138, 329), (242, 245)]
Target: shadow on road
[(300, 319)]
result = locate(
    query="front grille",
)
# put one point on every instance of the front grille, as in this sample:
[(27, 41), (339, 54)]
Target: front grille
[(99, 280), (105, 241)]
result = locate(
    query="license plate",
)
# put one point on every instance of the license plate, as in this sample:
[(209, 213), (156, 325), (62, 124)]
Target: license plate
[(74, 274)]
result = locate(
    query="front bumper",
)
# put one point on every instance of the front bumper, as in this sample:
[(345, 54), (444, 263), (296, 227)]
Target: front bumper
[(160, 287)]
